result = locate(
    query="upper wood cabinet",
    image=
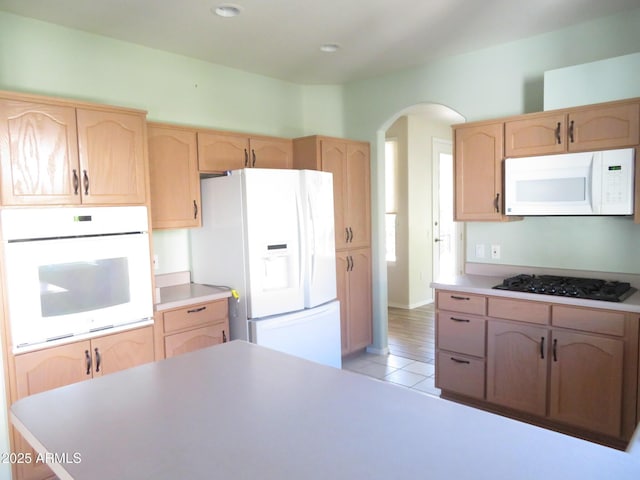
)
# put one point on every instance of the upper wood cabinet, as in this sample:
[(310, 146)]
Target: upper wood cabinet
[(610, 125), (112, 148), (478, 154), (174, 177), (222, 151), (55, 152), (349, 162)]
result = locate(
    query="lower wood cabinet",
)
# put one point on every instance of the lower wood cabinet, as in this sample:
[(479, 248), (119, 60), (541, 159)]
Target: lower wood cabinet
[(55, 367), (353, 269), (185, 329), (572, 368)]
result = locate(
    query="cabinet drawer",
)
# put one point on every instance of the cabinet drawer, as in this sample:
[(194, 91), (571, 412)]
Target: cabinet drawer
[(460, 374), (195, 339), (460, 333), (462, 302), (522, 310), (195, 315), (588, 320)]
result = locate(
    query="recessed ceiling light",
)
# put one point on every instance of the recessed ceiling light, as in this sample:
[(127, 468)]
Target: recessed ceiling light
[(330, 47), (226, 11)]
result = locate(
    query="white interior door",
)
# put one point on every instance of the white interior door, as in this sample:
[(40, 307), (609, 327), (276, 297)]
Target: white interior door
[(448, 235)]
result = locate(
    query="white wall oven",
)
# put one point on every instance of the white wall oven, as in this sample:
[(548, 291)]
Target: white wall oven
[(74, 272)]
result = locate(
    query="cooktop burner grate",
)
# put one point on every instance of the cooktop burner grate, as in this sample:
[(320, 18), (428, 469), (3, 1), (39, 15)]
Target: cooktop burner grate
[(589, 288)]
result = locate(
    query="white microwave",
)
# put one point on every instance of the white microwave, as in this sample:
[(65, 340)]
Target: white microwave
[(75, 272), (586, 183)]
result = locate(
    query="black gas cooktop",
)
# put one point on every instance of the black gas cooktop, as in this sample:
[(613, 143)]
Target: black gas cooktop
[(589, 288)]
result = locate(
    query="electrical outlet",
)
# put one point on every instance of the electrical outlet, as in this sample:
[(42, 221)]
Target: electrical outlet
[(156, 263), (495, 252), (479, 251)]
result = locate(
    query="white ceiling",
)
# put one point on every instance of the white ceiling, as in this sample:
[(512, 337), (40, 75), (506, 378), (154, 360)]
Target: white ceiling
[(282, 38)]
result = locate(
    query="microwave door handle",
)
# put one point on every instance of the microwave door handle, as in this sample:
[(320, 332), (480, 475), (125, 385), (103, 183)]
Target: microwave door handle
[(593, 183)]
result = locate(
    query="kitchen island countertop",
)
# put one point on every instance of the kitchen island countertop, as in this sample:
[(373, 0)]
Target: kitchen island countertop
[(239, 410)]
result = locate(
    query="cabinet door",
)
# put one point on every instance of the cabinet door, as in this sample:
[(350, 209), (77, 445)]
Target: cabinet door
[(51, 368), (586, 381), (478, 172), (334, 159), (605, 127), (359, 306), (271, 153), (112, 149), (343, 263), (41, 371), (517, 366), (219, 152), (358, 216), (195, 339), (175, 181), (38, 154), (123, 350), (539, 135)]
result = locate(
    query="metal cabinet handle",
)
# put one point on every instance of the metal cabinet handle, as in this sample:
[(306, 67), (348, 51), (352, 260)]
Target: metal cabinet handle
[(76, 182), (555, 349), (87, 358), (195, 310), (246, 158), (462, 320), (350, 235), (571, 139), (195, 210), (346, 234), (253, 157), (456, 297), (542, 348), (496, 203), (98, 359), (85, 181), (459, 360), (224, 337), (558, 138)]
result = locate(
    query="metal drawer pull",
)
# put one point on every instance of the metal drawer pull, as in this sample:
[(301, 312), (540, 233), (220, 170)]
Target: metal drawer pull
[(464, 320), (88, 361), (558, 138), (195, 310), (456, 297), (98, 359), (458, 360)]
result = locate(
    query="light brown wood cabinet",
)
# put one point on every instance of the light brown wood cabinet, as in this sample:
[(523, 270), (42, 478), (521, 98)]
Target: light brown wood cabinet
[(62, 153), (478, 164), (460, 334), (222, 151), (349, 163), (55, 367), (568, 367), (605, 126), (185, 329), (353, 269), (174, 177)]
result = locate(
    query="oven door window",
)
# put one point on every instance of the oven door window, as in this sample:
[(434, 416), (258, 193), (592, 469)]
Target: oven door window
[(75, 287)]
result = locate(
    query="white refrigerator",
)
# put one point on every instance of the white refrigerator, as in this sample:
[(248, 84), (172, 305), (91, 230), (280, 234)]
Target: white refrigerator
[(269, 234)]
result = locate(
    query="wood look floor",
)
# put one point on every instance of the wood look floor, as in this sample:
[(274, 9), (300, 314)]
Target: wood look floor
[(412, 333)]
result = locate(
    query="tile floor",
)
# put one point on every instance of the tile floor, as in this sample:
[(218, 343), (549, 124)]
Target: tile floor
[(408, 373)]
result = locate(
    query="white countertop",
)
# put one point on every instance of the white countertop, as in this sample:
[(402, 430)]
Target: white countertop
[(176, 296), (242, 411), (483, 282)]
